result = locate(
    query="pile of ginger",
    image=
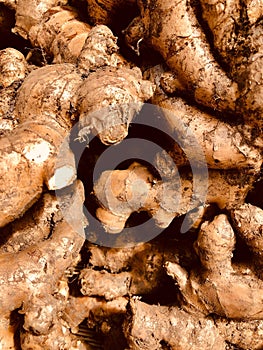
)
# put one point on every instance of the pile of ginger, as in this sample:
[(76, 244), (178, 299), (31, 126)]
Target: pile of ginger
[(75, 77)]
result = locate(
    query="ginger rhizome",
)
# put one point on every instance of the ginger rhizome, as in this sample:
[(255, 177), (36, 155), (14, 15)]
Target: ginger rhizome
[(90, 66), (219, 286), (32, 277), (47, 104), (173, 30), (122, 192)]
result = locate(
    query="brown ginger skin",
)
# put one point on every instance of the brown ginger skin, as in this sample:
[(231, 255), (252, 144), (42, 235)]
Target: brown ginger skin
[(57, 93), (224, 146), (28, 154), (31, 277), (60, 34), (248, 222), (108, 11), (173, 30), (118, 194), (170, 326), (237, 36), (14, 68), (218, 286)]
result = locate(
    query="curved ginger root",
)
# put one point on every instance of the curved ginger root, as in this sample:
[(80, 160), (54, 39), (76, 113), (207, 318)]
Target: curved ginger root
[(31, 278), (237, 35), (223, 144), (172, 28), (218, 286), (47, 104), (13, 68), (122, 192)]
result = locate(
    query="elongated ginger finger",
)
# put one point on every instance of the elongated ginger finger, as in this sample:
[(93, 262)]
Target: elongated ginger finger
[(223, 145), (154, 326), (172, 28), (219, 287), (248, 222), (239, 43), (122, 192), (60, 34), (31, 278)]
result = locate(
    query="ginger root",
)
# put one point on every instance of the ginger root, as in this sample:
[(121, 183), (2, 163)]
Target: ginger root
[(34, 273), (173, 30), (218, 286), (122, 192), (161, 327), (47, 104), (224, 145), (203, 289), (158, 327)]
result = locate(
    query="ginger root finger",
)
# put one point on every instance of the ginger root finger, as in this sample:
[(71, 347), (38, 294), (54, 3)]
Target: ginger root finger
[(173, 30), (35, 272), (122, 192), (108, 100), (219, 286), (60, 34), (248, 222), (239, 42), (224, 146), (13, 67), (170, 327)]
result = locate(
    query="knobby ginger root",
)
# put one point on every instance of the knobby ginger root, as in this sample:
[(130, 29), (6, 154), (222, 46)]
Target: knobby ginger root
[(13, 67), (158, 327), (47, 104), (248, 222), (30, 278), (237, 36), (122, 192), (28, 154), (34, 226), (223, 145), (218, 286), (60, 34), (57, 93), (173, 30), (29, 14), (127, 271), (108, 100)]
